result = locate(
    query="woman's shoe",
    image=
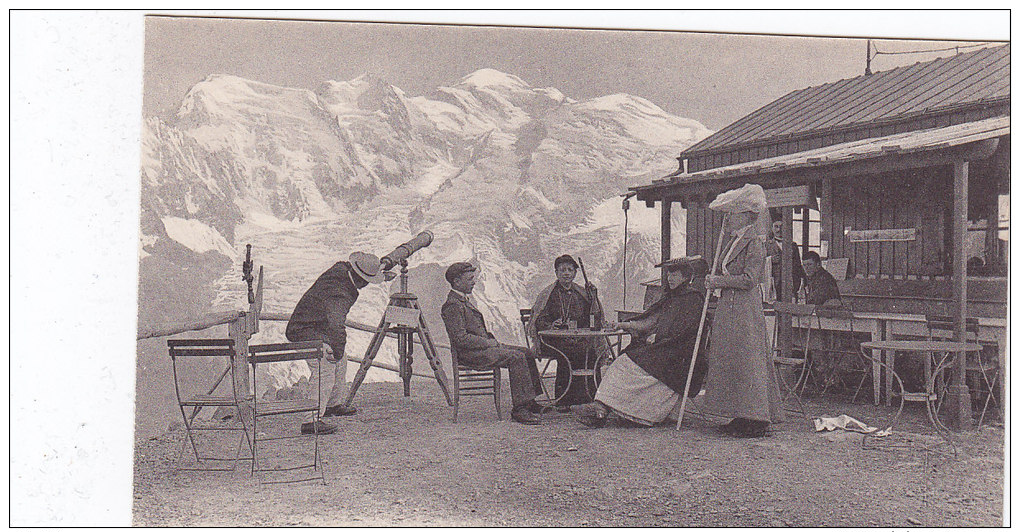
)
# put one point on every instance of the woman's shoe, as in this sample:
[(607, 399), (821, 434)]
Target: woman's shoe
[(745, 428), (731, 428), (593, 416)]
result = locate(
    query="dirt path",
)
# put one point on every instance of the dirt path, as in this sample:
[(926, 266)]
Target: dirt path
[(401, 461)]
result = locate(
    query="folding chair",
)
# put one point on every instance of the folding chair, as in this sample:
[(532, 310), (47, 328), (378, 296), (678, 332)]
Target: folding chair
[(206, 348), (840, 350), (801, 318), (547, 376), (286, 352), (983, 368)]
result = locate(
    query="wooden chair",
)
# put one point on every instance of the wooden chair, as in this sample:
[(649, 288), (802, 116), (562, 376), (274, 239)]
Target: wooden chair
[(801, 316), (286, 352), (206, 348), (547, 373), (983, 368), (468, 381)]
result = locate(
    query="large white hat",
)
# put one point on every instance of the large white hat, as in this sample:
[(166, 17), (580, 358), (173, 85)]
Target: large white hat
[(367, 266), (749, 197)]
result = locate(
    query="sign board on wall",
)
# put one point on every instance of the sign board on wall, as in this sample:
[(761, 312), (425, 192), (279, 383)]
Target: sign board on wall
[(799, 196), (882, 235)]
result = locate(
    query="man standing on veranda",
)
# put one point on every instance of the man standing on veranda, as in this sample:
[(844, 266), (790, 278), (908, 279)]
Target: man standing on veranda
[(320, 315)]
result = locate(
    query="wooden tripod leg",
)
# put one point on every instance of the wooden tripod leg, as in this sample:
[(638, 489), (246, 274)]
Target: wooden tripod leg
[(370, 353), (433, 356)]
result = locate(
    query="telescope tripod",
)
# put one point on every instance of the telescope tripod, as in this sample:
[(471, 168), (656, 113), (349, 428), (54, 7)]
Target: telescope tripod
[(404, 318)]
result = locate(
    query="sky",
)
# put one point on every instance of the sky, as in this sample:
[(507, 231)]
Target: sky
[(714, 78)]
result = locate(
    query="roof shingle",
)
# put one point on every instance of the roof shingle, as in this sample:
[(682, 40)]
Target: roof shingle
[(964, 79)]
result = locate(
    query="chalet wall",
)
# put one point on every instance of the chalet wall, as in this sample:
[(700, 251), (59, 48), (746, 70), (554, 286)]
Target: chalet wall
[(912, 199), (908, 277)]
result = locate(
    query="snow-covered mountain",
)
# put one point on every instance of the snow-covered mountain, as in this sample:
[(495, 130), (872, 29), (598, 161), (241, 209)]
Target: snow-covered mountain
[(506, 175)]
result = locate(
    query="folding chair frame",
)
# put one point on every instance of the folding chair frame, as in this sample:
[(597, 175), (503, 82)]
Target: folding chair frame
[(838, 356), (947, 323), (285, 352), (220, 347), (801, 313)]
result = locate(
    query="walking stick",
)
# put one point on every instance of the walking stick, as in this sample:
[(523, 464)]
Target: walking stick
[(701, 325)]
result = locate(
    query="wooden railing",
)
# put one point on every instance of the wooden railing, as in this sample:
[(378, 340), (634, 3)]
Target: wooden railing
[(238, 321), (242, 325)]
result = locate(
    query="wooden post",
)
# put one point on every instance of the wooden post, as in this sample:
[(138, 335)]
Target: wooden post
[(786, 295), (959, 395), (992, 234), (805, 229), (667, 231), (238, 330)]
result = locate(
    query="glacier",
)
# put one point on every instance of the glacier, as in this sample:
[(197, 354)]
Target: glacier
[(505, 175)]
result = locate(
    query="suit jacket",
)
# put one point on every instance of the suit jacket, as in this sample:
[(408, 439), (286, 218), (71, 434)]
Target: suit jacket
[(325, 305), (774, 252), (465, 325)]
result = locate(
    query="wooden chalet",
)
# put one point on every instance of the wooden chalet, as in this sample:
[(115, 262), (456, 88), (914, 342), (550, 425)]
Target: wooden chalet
[(899, 173)]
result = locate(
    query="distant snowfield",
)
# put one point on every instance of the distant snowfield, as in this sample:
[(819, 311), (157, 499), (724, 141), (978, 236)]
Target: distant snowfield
[(197, 236), (609, 214)]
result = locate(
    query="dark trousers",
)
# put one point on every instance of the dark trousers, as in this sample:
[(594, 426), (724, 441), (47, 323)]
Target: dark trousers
[(525, 382)]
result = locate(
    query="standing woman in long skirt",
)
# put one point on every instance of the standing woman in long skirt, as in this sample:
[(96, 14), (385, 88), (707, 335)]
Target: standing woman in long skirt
[(741, 382)]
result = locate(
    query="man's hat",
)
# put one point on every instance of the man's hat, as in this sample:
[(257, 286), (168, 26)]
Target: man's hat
[(367, 266), (457, 269)]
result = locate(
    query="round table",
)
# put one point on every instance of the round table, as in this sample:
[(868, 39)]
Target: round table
[(592, 368), (932, 347)]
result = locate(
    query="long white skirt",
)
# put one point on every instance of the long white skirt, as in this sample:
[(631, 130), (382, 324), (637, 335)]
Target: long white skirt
[(635, 395)]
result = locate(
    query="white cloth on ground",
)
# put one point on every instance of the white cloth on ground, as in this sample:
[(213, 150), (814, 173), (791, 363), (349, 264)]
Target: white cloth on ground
[(846, 422)]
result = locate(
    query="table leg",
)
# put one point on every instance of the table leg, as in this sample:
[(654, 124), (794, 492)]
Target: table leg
[(876, 367), (890, 361)]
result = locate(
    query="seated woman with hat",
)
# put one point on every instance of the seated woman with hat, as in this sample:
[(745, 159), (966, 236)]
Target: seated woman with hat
[(644, 384)]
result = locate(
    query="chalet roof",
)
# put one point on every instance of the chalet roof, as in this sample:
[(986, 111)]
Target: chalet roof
[(963, 80), (899, 143)]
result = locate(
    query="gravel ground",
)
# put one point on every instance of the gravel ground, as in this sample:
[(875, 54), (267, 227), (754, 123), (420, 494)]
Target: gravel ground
[(402, 461)]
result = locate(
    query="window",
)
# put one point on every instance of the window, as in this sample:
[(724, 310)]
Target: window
[(813, 235)]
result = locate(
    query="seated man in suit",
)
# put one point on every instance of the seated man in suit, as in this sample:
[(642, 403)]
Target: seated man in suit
[(477, 347), (821, 286)]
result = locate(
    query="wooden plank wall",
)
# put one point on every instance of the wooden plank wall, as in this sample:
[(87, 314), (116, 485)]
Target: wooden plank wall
[(703, 226), (909, 199)]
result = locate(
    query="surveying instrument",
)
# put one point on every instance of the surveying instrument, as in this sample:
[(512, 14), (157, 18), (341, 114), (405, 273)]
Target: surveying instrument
[(403, 319)]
